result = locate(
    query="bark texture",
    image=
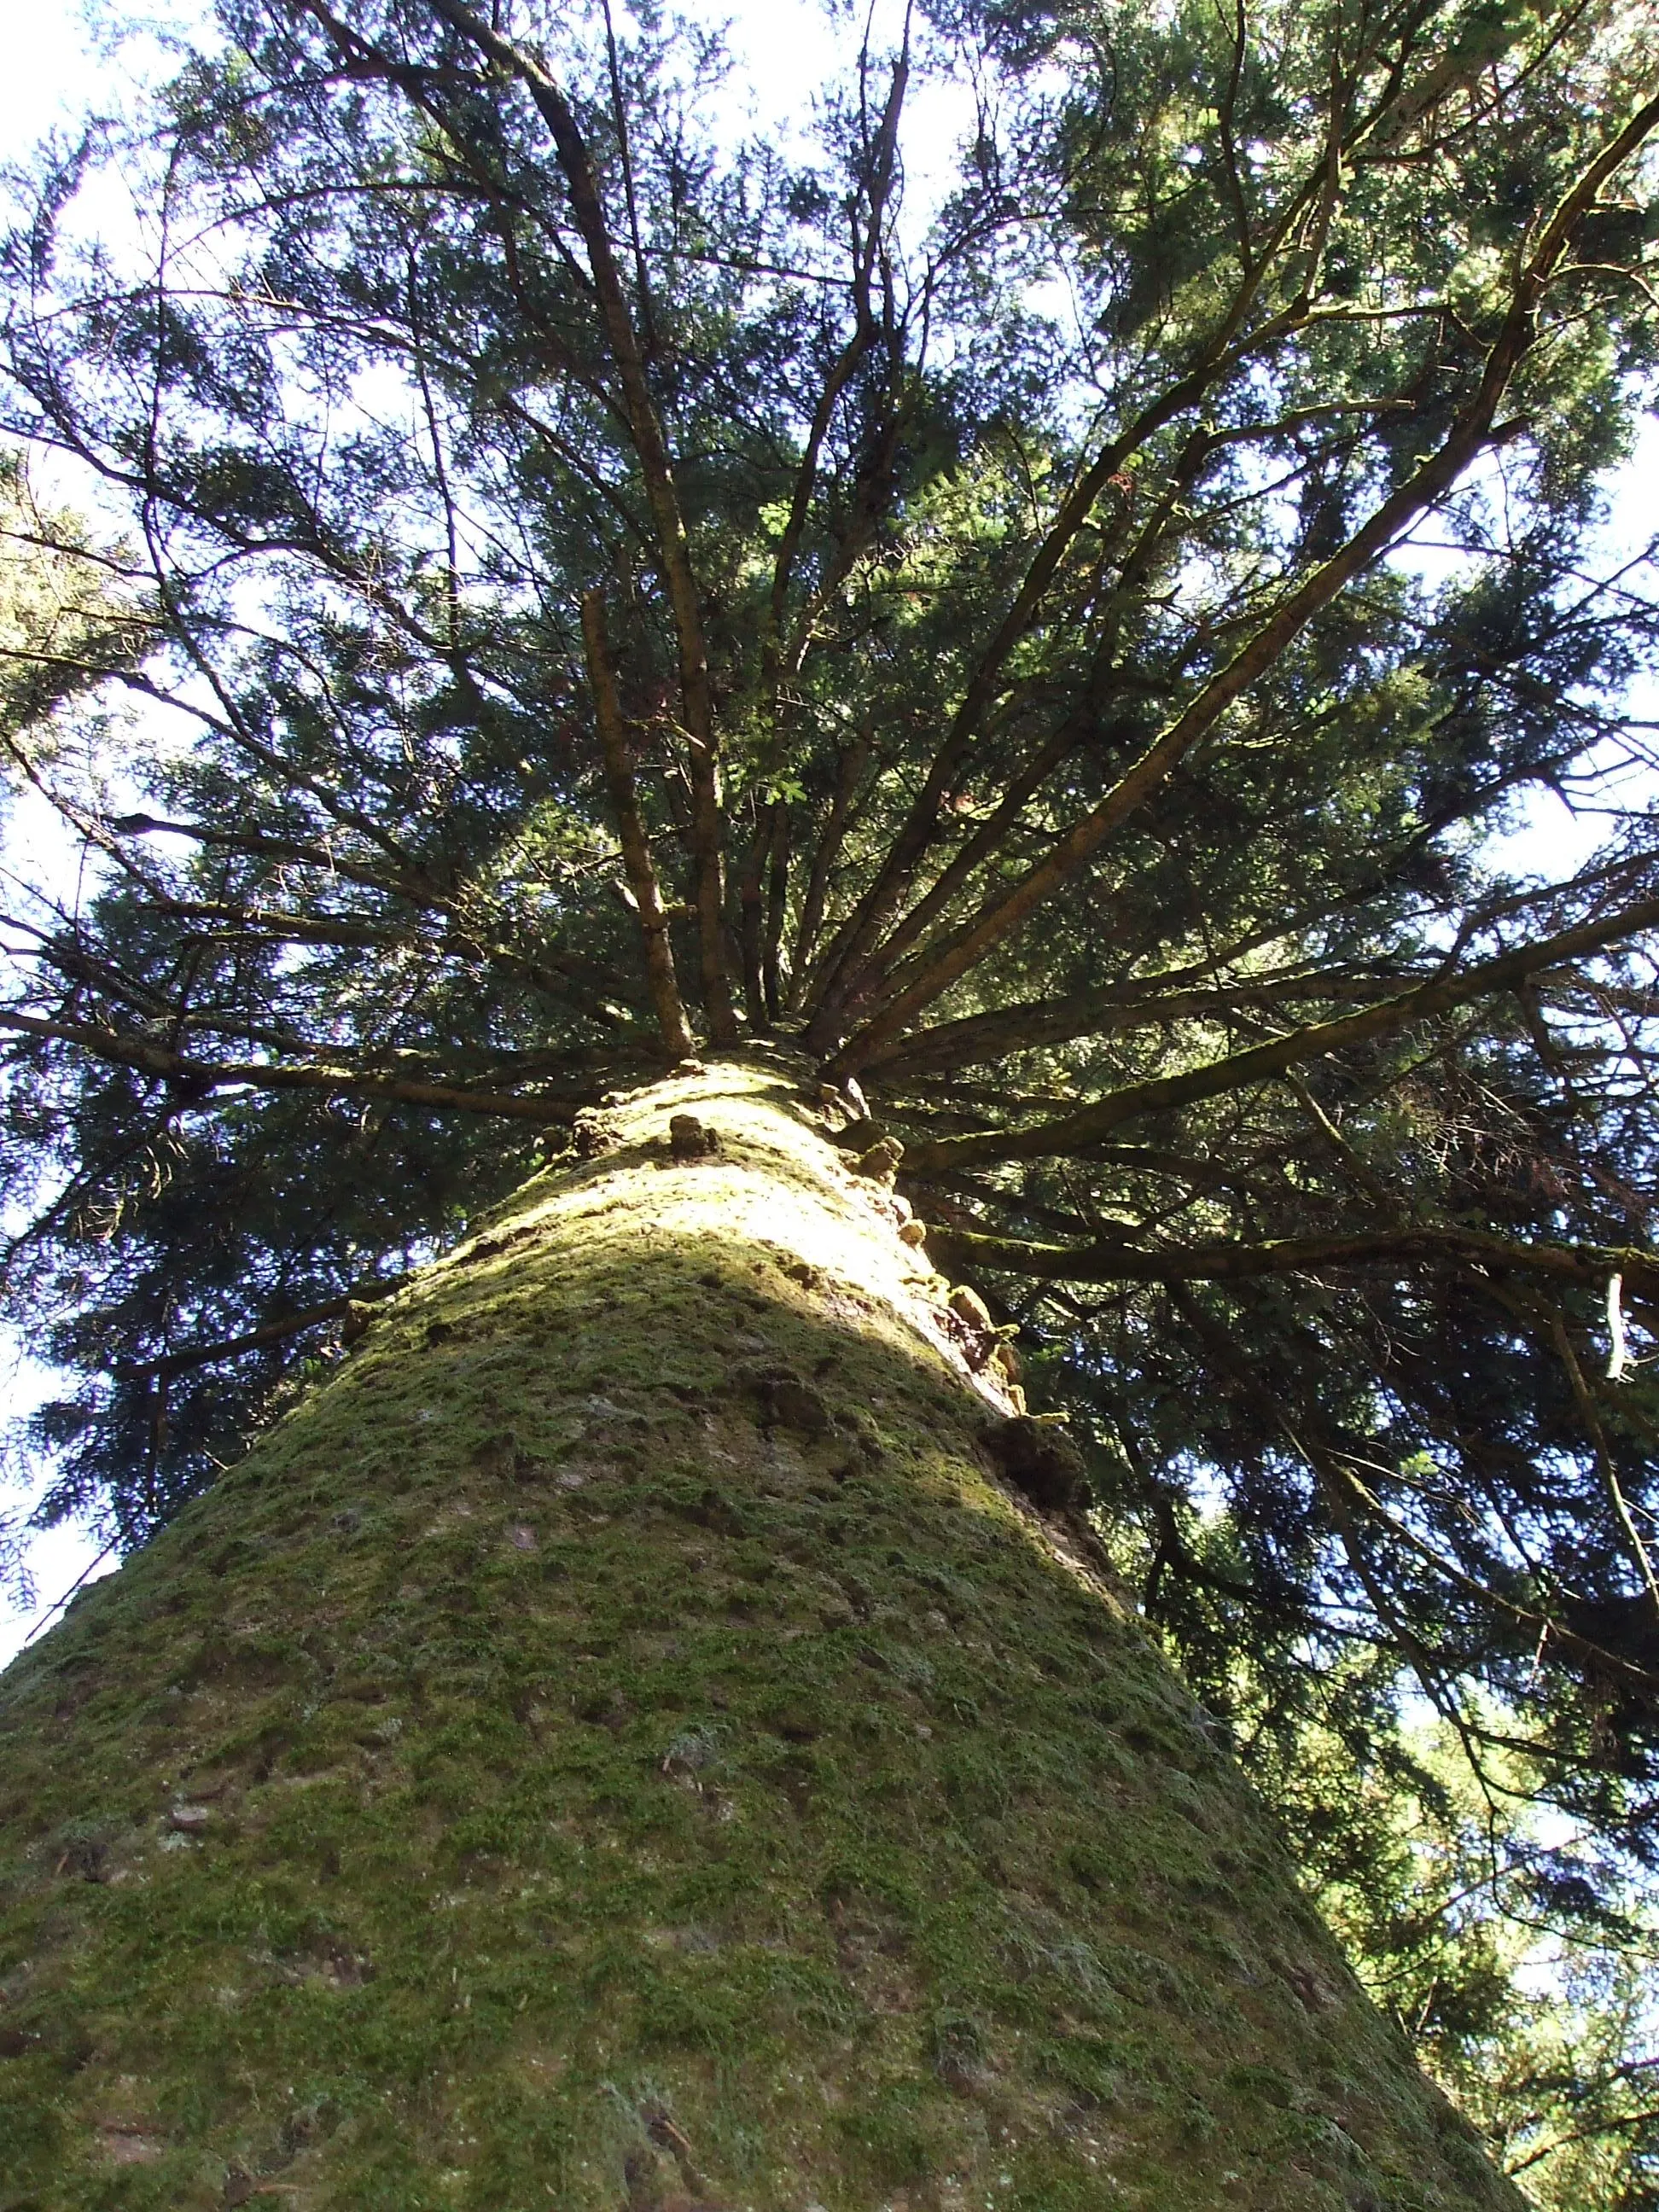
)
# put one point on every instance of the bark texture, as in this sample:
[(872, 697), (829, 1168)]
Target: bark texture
[(620, 1744)]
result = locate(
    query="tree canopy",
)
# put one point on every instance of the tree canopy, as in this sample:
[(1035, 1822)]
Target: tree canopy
[(1054, 643)]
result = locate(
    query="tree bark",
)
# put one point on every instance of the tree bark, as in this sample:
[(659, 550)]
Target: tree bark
[(620, 1744)]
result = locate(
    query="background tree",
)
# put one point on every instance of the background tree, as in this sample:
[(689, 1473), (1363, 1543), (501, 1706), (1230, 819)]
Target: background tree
[(604, 589)]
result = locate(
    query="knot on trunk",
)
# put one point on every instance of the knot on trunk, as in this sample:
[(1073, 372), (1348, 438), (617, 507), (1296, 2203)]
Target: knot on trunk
[(1038, 1459), (786, 1401), (592, 1135), (984, 1344), (880, 1161), (690, 1139)]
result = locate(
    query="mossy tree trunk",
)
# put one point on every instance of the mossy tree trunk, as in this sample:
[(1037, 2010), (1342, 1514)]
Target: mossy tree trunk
[(618, 1744)]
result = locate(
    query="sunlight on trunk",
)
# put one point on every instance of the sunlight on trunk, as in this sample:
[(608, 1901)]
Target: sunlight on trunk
[(619, 1743)]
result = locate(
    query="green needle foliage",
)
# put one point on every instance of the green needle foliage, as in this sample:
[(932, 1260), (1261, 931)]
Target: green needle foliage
[(1055, 640)]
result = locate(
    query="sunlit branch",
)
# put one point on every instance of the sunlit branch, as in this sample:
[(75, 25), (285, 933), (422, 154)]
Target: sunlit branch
[(1075, 1131)]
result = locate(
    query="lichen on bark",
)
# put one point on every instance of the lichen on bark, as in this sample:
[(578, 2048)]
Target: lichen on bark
[(621, 1742)]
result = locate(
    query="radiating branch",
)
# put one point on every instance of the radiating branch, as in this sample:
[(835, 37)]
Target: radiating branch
[(697, 704), (199, 1078), (255, 1340), (635, 845), (1237, 1071), (1223, 1261), (1475, 429)]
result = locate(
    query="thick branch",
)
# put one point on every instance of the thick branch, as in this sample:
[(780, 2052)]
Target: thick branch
[(636, 850), (199, 1078), (849, 773), (674, 546), (1224, 1262), (1141, 1003), (255, 1340), (1075, 1131), (917, 832)]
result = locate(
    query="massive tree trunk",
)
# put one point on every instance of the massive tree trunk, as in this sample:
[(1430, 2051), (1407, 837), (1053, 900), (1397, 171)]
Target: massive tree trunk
[(620, 1743)]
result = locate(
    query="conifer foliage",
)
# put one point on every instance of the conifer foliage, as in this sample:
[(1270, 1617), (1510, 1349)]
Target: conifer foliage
[(1053, 643)]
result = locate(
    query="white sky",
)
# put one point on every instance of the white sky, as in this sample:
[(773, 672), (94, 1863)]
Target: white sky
[(59, 60)]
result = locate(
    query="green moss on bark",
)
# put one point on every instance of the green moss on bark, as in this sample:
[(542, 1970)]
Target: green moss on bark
[(562, 1765)]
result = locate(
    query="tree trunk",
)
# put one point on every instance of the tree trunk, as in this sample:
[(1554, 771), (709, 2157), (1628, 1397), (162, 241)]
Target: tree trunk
[(620, 1744)]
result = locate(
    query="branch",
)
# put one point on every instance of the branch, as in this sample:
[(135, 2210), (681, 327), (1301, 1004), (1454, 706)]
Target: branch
[(198, 1078), (1614, 2124), (1472, 431), (1076, 729), (1222, 352), (1605, 1461), (1108, 1262), (1239, 1069), (881, 899), (764, 816), (1345, 1494), (254, 1339), (777, 898), (562, 975), (882, 973), (636, 850), (673, 544), (849, 773), (865, 331), (1108, 1012), (619, 110)]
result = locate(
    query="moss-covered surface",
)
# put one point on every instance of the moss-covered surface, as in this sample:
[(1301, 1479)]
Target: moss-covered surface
[(617, 1746)]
